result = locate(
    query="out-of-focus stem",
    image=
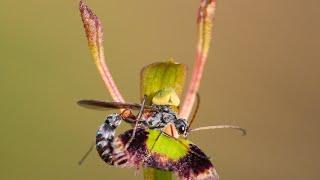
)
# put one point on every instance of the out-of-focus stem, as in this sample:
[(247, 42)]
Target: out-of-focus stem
[(205, 17), (93, 29)]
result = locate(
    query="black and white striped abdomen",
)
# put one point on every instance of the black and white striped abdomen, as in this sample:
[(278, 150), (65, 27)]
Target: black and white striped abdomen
[(105, 137), (109, 148)]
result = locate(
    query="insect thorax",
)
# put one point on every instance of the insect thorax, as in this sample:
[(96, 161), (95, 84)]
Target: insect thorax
[(161, 115)]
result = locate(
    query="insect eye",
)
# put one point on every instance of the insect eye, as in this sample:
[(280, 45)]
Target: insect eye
[(181, 126), (182, 129)]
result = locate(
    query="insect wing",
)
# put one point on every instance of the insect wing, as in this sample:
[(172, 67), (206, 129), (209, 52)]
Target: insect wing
[(103, 105)]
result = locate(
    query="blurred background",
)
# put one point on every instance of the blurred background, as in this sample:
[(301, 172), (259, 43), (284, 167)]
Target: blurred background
[(262, 74)]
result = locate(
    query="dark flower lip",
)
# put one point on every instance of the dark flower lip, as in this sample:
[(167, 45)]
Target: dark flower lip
[(194, 165)]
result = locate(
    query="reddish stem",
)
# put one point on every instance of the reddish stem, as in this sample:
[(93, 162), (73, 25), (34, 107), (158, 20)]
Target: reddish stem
[(205, 17)]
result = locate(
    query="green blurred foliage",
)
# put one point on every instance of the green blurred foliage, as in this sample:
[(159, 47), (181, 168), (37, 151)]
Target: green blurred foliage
[(262, 74)]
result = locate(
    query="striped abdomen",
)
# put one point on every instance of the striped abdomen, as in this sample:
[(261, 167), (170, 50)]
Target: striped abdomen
[(105, 137)]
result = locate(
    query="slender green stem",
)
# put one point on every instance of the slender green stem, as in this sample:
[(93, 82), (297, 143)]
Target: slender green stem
[(155, 174)]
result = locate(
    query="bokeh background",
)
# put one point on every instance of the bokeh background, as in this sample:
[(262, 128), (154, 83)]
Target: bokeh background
[(262, 74)]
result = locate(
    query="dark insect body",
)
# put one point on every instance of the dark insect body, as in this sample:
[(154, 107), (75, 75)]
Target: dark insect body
[(148, 145), (154, 117)]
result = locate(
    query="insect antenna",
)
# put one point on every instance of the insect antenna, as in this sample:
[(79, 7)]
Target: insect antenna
[(243, 131), (195, 112), (84, 157), (137, 121)]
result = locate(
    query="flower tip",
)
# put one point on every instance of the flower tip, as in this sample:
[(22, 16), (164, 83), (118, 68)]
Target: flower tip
[(91, 22), (86, 12), (82, 6)]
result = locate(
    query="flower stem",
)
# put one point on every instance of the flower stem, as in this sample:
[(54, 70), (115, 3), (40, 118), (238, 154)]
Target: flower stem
[(205, 17)]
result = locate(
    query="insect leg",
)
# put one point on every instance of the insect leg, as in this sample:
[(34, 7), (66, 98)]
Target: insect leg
[(153, 145), (137, 121), (161, 132), (86, 154)]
